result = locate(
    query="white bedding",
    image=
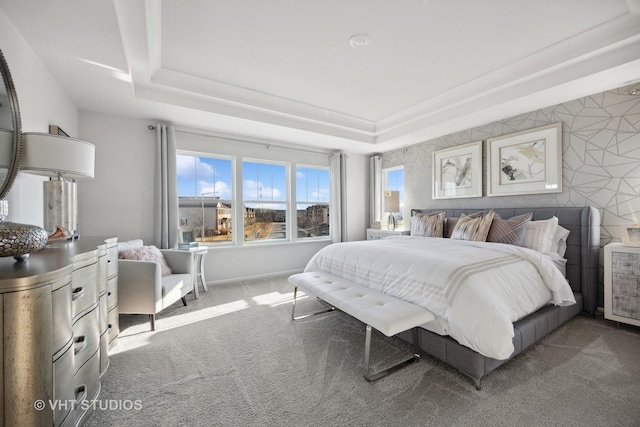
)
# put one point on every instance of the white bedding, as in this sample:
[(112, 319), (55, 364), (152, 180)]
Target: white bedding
[(476, 290)]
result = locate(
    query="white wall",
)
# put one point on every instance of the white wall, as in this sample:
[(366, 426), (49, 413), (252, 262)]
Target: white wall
[(119, 200), (42, 102)]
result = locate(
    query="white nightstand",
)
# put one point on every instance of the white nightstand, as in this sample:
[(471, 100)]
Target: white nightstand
[(377, 234), (622, 283)]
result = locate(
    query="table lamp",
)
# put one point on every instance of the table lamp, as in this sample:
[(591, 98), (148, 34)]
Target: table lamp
[(65, 160), (391, 205)]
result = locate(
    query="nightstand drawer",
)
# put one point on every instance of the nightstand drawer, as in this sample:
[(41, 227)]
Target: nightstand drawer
[(377, 234), (622, 283)]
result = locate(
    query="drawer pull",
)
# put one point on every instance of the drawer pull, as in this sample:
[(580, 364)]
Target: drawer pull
[(108, 294), (77, 293), (79, 344), (81, 394), (110, 326)]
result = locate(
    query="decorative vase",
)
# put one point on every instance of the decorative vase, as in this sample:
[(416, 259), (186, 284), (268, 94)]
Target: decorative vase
[(19, 240)]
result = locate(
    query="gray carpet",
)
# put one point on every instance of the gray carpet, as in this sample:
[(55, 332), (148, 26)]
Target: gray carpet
[(234, 358)]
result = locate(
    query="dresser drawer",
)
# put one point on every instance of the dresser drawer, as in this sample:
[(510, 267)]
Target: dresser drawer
[(103, 314), (84, 288), (63, 392), (86, 337), (104, 353), (102, 269), (61, 317), (112, 292), (114, 324), (86, 387), (112, 259)]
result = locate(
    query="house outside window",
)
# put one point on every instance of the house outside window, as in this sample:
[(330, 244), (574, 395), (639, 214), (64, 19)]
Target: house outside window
[(264, 192), (312, 201), (205, 197)]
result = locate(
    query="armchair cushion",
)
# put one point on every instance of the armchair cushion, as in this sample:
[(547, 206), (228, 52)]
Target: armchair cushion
[(147, 253)]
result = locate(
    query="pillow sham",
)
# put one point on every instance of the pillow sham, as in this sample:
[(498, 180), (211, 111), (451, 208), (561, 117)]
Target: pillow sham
[(147, 253), (449, 225), (473, 227), (559, 241), (425, 225), (510, 231), (539, 234)]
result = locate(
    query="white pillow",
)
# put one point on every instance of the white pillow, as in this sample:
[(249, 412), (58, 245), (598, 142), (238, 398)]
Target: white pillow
[(559, 242), (539, 234)]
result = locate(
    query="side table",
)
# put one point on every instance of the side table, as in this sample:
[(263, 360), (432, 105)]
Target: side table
[(198, 261)]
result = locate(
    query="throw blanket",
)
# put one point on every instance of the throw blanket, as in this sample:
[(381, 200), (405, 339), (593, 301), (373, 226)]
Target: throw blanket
[(476, 290)]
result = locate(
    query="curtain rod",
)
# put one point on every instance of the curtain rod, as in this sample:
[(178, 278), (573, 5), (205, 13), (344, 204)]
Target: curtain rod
[(264, 144)]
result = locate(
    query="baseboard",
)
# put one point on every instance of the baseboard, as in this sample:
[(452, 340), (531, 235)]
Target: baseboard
[(253, 277)]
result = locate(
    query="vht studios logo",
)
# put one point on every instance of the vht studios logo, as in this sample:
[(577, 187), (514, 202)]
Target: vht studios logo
[(97, 405)]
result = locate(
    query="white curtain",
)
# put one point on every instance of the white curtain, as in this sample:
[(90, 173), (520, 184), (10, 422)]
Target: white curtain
[(338, 220), (375, 186), (166, 201)]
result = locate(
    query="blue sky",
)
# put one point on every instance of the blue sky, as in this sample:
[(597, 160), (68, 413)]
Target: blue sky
[(261, 181)]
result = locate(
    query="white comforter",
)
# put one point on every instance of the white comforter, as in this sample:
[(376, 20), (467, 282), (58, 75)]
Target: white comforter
[(475, 289)]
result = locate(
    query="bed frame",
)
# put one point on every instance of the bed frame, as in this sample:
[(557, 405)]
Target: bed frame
[(583, 245)]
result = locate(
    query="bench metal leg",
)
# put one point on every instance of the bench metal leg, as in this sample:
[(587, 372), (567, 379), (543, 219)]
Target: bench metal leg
[(293, 311), (370, 376)]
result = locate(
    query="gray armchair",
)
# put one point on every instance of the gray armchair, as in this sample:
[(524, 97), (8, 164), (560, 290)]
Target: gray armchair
[(143, 290)]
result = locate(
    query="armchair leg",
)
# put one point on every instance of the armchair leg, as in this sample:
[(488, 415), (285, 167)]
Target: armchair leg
[(184, 301), (152, 318)]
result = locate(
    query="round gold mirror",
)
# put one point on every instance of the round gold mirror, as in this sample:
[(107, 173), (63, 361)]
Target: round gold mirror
[(10, 131)]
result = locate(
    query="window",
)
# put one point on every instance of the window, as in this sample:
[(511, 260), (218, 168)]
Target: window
[(205, 197), (393, 179), (243, 193), (312, 201), (264, 190)]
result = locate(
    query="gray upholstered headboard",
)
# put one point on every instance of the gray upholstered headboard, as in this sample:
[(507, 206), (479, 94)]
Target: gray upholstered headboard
[(583, 243)]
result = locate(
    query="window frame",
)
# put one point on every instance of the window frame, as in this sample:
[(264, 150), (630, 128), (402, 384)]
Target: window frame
[(385, 187), (287, 173), (237, 200), (295, 202), (231, 202)]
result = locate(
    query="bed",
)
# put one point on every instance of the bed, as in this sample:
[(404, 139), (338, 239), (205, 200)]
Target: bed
[(453, 337)]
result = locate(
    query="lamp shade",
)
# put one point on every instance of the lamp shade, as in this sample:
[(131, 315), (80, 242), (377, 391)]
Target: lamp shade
[(53, 155), (391, 201)]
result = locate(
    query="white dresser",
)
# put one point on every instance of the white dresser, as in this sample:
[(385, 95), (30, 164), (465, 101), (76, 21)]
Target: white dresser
[(56, 331), (622, 283)]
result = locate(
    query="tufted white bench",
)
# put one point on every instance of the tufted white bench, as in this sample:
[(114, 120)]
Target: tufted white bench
[(379, 311)]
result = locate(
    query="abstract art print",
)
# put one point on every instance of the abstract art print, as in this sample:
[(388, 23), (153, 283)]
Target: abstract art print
[(528, 162), (457, 171)]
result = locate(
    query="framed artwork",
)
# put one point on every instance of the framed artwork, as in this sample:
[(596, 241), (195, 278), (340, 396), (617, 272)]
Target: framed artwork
[(457, 171), (185, 235), (528, 162), (630, 234)]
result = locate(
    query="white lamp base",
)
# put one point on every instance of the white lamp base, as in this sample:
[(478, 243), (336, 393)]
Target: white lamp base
[(391, 222), (60, 209)]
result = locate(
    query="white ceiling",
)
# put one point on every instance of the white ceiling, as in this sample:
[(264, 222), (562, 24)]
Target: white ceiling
[(284, 69)]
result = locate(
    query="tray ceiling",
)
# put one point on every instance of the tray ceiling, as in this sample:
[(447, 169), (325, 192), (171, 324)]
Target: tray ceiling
[(286, 70)]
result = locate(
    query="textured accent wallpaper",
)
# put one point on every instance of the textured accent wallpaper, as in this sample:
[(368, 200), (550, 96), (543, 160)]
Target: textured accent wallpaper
[(600, 163)]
